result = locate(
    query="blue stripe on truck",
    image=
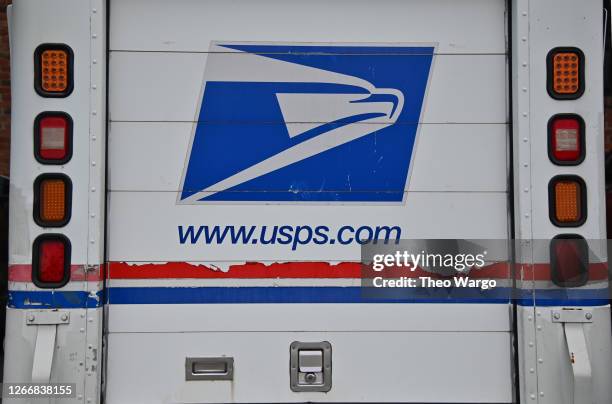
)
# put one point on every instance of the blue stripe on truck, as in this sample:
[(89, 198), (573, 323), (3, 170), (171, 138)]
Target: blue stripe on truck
[(242, 295)]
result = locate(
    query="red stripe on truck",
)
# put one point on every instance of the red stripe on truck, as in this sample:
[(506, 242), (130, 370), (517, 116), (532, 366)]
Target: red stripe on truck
[(23, 273)]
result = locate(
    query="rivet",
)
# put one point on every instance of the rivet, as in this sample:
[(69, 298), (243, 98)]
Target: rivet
[(532, 396), (524, 13), (525, 114), (525, 140), (524, 39), (80, 363), (93, 215), (540, 360), (31, 318), (541, 394), (94, 36), (95, 61), (82, 330), (539, 313), (93, 163), (531, 344), (93, 138), (524, 64), (539, 328), (588, 316), (530, 318), (532, 370), (556, 316), (64, 317), (526, 190), (526, 215), (94, 113), (92, 241), (94, 10), (93, 189), (94, 87), (525, 165), (524, 89)]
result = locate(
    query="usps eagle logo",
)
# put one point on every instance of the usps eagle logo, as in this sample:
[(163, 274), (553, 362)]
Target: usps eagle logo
[(306, 123)]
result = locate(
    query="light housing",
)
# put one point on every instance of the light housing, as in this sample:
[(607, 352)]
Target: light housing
[(566, 139), (52, 200), (53, 138), (569, 260), (51, 261), (53, 70), (567, 201), (565, 73)]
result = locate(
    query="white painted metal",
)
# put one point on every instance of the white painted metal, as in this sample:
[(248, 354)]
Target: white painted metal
[(338, 318), (455, 190), (457, 166), (163, 86), (538, 27), (82, 26), (471, 26), (427, 215), (415, 364), (68, 364)]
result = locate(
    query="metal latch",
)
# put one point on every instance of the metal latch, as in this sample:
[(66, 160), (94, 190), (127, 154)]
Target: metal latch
[(573, 321), (310, 366)]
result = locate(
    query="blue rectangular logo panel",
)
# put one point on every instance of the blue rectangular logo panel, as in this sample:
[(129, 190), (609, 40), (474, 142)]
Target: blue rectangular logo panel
[(300, 123)]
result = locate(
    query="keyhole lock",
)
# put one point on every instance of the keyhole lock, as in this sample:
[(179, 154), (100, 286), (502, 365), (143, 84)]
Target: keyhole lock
[(310, 366)]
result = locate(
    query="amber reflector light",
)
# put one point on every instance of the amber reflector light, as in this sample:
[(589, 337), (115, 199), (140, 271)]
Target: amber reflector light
[(567, 201), (566, 73), (52, 197)]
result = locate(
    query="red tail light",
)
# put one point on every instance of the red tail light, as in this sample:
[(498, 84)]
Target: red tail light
[(53, 138), (51, 261), (566, 139), (569, 259)]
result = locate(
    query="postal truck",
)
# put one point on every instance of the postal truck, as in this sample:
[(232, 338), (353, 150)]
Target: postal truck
[(193, 183)]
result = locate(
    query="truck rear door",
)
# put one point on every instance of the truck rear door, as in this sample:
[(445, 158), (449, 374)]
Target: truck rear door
[(254, 146)]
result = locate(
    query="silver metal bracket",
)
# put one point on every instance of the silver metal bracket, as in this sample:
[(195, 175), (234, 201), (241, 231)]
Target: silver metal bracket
[(217, 368), (46, 322), (47, 317), (310, 366), (573, 321), (572, 316)]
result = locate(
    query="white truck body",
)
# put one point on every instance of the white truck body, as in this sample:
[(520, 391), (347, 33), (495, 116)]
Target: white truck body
[(229, 156)]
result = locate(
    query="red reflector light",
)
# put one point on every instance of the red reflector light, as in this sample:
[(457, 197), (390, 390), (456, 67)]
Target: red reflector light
[(566, 139), (51, 261), (53, 138), (569, 259)]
